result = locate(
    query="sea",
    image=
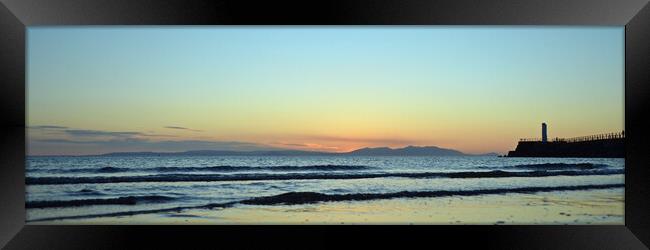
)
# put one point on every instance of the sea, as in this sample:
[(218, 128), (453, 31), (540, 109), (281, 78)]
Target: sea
[(63, 188)]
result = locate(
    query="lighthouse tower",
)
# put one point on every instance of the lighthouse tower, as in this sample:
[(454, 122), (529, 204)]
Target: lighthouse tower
[(544, 135)]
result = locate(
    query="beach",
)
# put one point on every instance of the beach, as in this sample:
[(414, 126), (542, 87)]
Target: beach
[(585, 207), (324, 190)]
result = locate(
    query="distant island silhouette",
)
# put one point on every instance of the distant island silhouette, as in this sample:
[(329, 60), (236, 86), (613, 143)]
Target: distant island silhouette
[(378, 151)]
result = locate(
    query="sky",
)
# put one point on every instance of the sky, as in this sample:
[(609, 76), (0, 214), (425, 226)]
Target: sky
[(477, 89)]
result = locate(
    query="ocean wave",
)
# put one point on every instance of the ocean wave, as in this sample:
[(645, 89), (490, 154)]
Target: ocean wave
[(552, 166), (225, 168), (128, 200), (110, 170), (87, 191), (309, 176), (295, 198), (288, 168), (562, 166)]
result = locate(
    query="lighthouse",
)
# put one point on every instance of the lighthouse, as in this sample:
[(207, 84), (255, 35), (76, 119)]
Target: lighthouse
[(544, 135)]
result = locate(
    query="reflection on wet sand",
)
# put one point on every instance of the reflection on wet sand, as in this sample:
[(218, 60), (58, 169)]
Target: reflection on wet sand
[(566, 207)]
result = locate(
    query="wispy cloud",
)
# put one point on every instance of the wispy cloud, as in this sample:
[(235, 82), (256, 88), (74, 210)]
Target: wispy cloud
[(291, 144), (61, 140), (52, 129), (81, 147), (306, 146), (47, 127), (383, 141), (111, 134), (65, 141), (52, 139), (183, 128), (96, 133), (97, 142)]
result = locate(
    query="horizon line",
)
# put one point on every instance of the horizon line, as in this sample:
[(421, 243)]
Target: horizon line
[(250, 151)]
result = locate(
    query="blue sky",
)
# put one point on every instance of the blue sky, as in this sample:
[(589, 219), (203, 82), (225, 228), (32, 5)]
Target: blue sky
[(476, 89)]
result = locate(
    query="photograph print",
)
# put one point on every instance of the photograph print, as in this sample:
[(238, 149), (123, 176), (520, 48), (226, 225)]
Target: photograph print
[(332, 125)]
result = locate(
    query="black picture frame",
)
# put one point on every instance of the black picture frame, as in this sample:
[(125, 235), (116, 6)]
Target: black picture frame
[(16, 15)]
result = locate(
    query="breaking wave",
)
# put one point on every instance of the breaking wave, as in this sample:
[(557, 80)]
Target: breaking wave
[(129, 200), (207, 169), (310, 176), (295, 198)]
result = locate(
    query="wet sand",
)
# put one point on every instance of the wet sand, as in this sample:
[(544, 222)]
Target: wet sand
[(585, 207)]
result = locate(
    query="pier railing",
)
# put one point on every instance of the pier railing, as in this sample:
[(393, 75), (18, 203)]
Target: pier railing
[(530, 139), (596, 137)]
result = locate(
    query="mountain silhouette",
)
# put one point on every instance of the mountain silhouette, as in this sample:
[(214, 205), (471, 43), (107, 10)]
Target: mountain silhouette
[(379, 151), (407, 151)]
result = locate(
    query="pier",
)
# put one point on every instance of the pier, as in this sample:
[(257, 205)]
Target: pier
[(607, 145)]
